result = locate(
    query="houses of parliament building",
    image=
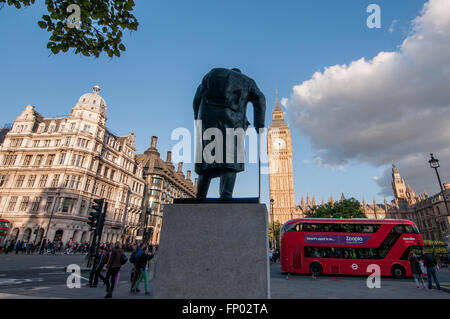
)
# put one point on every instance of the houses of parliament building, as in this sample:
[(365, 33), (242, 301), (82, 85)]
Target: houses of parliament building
[(281, 176), (428, 212)]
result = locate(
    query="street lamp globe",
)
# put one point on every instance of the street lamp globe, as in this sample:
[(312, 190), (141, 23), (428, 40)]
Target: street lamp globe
[(434, 162)]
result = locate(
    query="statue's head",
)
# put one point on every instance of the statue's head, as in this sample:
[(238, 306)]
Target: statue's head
[(236, 70)]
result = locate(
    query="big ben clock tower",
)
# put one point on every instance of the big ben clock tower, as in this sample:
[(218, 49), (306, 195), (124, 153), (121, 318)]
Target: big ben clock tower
[(281, 179)]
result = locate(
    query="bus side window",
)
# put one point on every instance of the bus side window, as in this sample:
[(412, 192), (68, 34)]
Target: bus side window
[(320, 227), (409, 229), (336, 228)]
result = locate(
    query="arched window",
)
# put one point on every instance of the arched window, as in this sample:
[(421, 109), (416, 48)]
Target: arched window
[(58, 235)]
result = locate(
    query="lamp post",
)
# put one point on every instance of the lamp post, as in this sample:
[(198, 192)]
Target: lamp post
[(144, 236), (50, 218), (273, 222), (434, 163)]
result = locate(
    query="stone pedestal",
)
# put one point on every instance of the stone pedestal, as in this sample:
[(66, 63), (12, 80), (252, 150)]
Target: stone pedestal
[(213, 251)]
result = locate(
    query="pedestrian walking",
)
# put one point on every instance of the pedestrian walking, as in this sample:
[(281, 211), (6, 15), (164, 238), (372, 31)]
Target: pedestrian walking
[(99, 264), (134, 258), (115, 262), (416, 270), (12, 244), (430, 263), (18, 246), (142, 264), (7, 244)]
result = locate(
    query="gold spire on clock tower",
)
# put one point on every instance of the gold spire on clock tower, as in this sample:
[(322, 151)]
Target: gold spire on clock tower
[(281, 179)]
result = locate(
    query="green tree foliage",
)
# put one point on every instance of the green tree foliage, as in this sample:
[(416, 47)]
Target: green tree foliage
[(277, 232), (102, 23), (347, 208)]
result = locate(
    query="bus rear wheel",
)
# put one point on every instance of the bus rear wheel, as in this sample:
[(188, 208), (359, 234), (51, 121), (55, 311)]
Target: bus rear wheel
[(315, 269), (398, 272)]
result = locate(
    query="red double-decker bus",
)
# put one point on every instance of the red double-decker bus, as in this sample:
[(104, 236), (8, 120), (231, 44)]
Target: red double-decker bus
[(5, 226), (348, 246)]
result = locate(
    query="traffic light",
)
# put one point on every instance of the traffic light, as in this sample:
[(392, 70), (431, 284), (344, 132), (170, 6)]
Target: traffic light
[(94, 217)]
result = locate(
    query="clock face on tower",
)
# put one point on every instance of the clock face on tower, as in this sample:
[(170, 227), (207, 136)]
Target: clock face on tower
[(278, 143)]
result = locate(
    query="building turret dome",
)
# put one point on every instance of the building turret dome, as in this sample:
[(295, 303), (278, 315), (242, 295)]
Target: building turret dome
[(92, 99)]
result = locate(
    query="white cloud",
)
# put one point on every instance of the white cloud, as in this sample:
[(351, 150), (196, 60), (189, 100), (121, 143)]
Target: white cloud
[(320, 163), (375, 178), (284, 101), (392, 26), (395, 106)]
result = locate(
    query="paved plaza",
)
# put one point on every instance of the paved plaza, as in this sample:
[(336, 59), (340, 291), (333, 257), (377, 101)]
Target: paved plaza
[(43, 276)]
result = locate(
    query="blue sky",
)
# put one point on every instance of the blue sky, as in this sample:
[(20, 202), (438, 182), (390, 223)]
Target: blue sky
[(149, 89)]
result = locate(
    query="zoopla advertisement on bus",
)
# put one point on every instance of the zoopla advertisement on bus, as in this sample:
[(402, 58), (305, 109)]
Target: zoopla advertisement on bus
[(337, 239)]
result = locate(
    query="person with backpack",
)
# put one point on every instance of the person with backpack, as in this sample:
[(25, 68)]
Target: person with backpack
[(430, 263), (416, 269), (142, 265), (136, 273)]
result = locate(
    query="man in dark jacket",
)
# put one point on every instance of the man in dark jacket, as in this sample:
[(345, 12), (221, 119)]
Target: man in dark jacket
[(220, 103), (429, 261), (113, 266), (99, 264)]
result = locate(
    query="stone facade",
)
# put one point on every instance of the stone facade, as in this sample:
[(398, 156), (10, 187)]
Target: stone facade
[(52, 168), (429, 213), (163, 183), (281, 176)]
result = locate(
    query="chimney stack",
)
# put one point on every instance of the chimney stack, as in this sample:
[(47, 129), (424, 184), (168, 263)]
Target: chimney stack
[(188, 175), (169, 157), (154, 140), (180, 167)]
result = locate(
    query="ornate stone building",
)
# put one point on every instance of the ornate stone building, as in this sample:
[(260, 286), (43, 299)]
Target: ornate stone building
[(281, 177), (427, 212), (163, 184), (52, 168)]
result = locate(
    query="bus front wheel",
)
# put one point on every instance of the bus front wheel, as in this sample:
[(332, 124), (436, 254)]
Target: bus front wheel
[(398, 272), (315, 269)]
